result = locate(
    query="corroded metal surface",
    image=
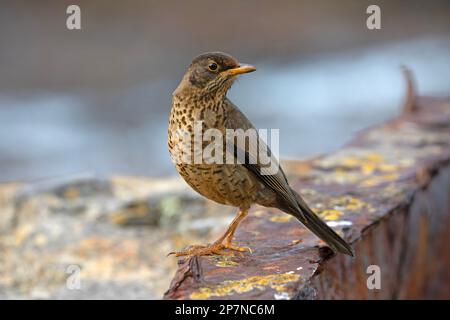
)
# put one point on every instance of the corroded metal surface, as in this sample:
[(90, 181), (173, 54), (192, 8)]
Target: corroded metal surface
[(387, 192)]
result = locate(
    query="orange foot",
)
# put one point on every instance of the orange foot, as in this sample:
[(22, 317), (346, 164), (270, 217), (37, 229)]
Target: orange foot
[(215, 248)]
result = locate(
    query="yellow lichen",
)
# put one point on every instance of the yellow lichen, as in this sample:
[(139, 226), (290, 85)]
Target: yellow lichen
[(334, 208), (368, 168), (258, 212), (377, 180), (349, 203), (40, 240), (367, 161), (224, 263), (364, 168), (362, 163), (341, 176), (350, 161), (330, 214), (386, 167), (22, 232), (374, 157), (230, 287), (281, 218)]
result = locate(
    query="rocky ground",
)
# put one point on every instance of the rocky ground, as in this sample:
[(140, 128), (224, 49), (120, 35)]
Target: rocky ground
[(86, 237)]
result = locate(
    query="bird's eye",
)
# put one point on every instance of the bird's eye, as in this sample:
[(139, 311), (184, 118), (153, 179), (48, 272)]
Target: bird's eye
[(213, 67)]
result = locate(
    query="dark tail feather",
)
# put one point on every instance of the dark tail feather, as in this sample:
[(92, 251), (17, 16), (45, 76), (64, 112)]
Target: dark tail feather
[(320, 228)]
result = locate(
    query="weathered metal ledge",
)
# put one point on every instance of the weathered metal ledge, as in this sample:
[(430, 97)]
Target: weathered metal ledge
[(387, 192)]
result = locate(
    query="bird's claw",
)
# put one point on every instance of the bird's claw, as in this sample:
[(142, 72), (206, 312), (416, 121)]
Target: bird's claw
[(215, 248), (198, 251)]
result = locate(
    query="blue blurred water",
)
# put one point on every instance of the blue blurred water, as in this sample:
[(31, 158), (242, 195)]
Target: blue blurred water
[(317, 104), (320, 103)]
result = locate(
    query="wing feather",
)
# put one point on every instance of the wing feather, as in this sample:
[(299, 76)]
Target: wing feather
[(278, 181)]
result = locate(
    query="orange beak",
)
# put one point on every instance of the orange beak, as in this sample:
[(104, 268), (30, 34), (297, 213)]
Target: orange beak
[(243, 68)]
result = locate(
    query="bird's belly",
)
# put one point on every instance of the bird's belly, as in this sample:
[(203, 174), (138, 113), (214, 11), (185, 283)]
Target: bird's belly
[(228, 184)]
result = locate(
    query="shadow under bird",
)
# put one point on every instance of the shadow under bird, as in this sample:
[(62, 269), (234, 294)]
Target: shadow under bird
[(201, 98)]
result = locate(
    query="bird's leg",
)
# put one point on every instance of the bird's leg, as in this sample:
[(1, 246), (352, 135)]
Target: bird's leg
[(233, 226), (229, 234), (218, 245)]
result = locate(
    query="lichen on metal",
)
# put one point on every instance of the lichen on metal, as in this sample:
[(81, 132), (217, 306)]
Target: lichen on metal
[(386, 192), (230, 287)]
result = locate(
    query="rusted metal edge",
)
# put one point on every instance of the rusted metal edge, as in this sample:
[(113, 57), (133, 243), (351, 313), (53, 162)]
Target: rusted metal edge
[(373, 192), (410, 103)]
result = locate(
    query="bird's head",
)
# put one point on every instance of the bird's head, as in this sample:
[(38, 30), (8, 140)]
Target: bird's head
[(212, 74)]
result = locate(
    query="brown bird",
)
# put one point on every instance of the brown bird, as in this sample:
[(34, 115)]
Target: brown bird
[(200, 98)]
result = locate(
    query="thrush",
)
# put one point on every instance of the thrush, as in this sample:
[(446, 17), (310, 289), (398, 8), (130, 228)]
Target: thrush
[(201, 99)]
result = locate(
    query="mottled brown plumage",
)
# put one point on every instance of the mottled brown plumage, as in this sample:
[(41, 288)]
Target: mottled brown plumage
[(201, 96)]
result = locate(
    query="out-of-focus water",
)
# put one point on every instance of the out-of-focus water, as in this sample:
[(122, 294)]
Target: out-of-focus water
[(317, 104)]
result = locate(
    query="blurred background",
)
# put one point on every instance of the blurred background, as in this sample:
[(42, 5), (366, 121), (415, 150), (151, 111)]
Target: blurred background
[(97, 99), (78, 107)]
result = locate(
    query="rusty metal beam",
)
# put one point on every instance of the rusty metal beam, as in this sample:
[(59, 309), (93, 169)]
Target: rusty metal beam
[(387, 192)]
